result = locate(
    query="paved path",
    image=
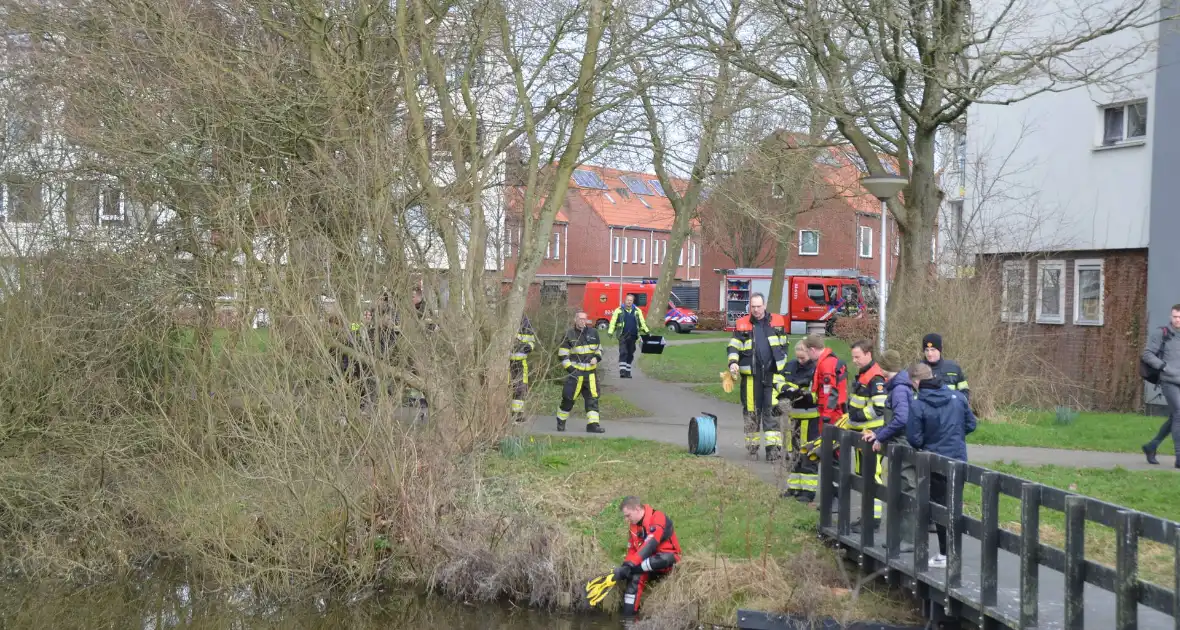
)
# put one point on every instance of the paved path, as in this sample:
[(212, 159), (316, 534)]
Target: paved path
[(673, 405)]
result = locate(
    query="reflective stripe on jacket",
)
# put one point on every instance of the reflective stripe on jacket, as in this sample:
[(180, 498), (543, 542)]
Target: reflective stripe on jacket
[(866, 403), (741, 346), (577, 348), (526, 340), (636, 312)]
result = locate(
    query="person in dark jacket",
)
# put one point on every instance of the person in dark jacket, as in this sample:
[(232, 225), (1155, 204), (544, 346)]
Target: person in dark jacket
[(899, 391), (1163, 353), (949, 372), (804, 417), (940, 419)]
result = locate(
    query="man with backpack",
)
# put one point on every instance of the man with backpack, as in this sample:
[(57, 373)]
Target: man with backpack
[(1160, 365)]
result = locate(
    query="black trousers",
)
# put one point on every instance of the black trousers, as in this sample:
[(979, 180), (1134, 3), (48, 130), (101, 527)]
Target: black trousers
[(660, 565), (626, 352), (938, 495)]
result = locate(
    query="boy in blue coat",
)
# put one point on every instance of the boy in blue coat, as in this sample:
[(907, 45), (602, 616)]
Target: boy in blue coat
[(940, 419)]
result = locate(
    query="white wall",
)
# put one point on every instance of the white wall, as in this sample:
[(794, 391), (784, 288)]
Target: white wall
[(1039, 179)]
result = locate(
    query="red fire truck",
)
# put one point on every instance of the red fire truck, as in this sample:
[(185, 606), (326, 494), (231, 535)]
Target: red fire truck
[(602, 298), (812, 296)]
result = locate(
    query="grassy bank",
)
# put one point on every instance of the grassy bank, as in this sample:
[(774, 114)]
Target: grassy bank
[(1152, 492), (701, 362), (743, 545)]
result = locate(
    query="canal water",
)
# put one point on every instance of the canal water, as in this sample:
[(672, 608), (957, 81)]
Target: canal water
[(149, 605)]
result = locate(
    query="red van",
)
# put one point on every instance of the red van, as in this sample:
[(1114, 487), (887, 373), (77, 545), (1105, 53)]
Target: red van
[(602, 298), (811, 295)]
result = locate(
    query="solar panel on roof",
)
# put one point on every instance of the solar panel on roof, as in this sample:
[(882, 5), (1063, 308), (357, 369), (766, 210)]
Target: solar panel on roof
[(657, 186), (635, 185), (588, 179)]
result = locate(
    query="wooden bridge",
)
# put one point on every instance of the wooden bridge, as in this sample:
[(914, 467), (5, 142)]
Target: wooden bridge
[(995, 578)]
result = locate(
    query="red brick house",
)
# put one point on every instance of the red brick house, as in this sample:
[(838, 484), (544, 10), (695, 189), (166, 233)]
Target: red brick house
[(612, 224), (837, 226)]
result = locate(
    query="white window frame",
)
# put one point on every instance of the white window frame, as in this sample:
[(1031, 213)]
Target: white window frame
[(680, 258), (1123, 139), (1084, 264), (864, 233), (634, 250), (1051, 265), (803, 253), (102, 210), (643, 251), (1012, 266), (557, 246)]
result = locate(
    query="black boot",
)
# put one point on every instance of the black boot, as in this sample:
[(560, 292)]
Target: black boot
[(1149, 451), (560, 424), (594, 427)]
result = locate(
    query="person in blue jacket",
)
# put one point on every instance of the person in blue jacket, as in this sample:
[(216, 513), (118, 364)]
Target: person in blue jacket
[(899, 394), (940, 419)]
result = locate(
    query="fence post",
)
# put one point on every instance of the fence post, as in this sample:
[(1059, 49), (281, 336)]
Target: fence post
[(844, 518), (989, 544), (956, 476), (1030, 551), (1126, 569), (1176, 568), (868, 493), (922, 513), (1075, 562), (825, 476), (895, 453)]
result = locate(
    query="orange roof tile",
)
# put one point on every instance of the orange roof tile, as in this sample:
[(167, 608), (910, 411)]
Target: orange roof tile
[(619, 204)]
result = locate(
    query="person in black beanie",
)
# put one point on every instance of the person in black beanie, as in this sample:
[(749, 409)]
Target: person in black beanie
[(948, 371)]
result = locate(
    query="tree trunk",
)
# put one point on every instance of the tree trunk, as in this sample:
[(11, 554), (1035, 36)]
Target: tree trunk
[(921, 214), (777, 275), (681, 228)]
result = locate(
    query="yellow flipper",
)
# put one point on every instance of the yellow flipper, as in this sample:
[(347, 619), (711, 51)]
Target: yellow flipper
[(597, 588)]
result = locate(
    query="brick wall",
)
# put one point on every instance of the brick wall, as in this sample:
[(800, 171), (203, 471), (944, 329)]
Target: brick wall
[(586, 250), (837, 224), (1100, 361)]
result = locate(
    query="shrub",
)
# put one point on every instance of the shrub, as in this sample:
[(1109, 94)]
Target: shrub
[(710, 320), (1002, 361)]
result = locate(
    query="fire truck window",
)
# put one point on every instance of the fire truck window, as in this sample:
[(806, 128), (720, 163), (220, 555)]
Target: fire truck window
[(833, 294), (816, 293), (850, 294), (641, 299)]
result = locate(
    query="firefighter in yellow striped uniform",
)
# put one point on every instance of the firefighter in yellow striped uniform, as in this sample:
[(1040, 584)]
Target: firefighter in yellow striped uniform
[(757, 352), (518, 367), (580, 352), (866, 405), (803, 412)]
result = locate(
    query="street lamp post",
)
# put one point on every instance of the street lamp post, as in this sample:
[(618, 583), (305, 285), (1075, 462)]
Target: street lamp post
[(884, 188)]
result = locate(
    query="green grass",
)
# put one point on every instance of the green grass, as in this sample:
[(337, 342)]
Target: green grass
[(1113, 432), (742, 545), (544, 398), (703, 362), (716, 507), (1152, 492)]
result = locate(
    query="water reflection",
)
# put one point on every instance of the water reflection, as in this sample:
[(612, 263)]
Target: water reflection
[(157, 605)]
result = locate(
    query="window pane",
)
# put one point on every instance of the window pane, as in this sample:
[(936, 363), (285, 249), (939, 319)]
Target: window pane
[(809, 242), (1014, 290), (1089, 295), (1112, 125), (1051, 292), (816, 293), (1137, 120)]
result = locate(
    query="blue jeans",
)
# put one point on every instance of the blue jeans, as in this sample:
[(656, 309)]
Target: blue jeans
[(1171, 426)]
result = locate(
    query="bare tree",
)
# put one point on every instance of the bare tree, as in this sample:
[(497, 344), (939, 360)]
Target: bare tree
[(686, 111), (895, 73)]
